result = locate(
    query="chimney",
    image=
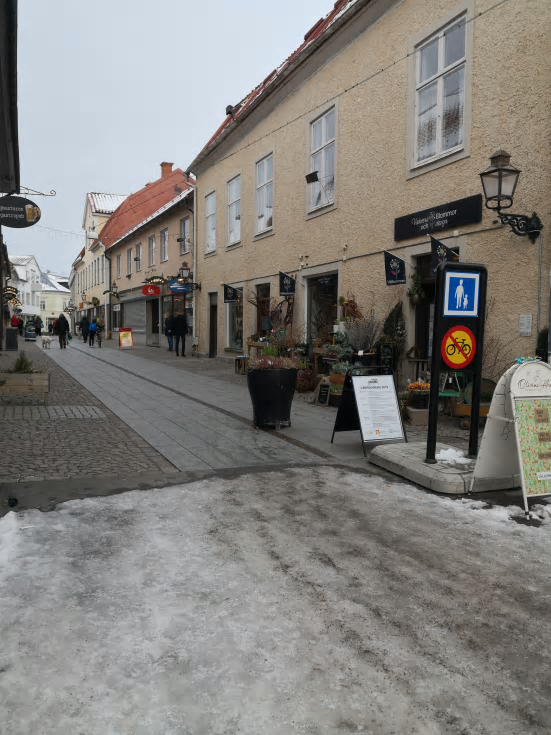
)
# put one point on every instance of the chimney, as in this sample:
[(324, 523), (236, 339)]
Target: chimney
[(166, 169)]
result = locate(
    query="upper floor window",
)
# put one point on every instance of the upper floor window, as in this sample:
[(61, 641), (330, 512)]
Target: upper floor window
[(185, 235), (322, 141), (264, 194), (234, 210), (210, 222), (138, 257), (129, 261), (164, 244), (118, 266), (151, 248), (440, 93)]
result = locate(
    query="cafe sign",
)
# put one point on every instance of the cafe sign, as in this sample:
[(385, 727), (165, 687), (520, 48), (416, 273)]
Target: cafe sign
[(151, 290), (448, 216), (18, 212)]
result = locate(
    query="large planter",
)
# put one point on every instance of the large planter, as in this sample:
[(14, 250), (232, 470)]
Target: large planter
[(25, 383), (337, 378), (418, 399), (272, 394)]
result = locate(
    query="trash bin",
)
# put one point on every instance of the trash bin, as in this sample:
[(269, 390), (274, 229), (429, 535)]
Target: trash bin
[(11, 338)]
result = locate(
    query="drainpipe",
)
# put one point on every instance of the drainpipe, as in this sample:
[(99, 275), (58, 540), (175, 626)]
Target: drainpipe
[(539, 286)]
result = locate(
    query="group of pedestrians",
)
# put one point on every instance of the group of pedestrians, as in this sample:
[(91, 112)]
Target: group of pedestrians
[(175, 331), (90, 330)]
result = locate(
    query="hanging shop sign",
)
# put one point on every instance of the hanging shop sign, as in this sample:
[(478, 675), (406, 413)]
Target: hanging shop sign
[(369, 404), (287, 285), (126, 341), (440, 253), (18, 212), (465, 211), (151, 290), (458, 338), (175, 286), (232, 295), (395, 270)]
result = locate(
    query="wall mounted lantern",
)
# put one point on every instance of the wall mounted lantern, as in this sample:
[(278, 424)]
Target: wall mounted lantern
[(499, 182)]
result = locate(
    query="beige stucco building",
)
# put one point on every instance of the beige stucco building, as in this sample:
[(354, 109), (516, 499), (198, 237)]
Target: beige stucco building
[(397, 105)]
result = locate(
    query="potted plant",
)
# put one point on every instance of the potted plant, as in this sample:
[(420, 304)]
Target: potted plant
[(415, 292), (338, 372), (272, 380), (362, 334)]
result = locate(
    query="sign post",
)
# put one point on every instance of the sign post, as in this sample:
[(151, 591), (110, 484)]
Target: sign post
[(458, 339)]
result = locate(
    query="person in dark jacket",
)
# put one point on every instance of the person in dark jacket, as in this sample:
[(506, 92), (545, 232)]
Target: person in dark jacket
[(84, 324), (179, 327), (21, 325), (169, 331), (62, 327)]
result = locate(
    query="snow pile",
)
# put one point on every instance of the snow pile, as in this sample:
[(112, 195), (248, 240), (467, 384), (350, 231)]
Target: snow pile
[(538, 512), (452, 456)]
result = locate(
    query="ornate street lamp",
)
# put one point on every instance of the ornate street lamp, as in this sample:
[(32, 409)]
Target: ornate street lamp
[(183, 273), (114, 291), (499, 182)]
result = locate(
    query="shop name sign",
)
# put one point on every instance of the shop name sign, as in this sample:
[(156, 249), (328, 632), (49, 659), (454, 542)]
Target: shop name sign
[(453, 214), (18, 212), (151, 290)]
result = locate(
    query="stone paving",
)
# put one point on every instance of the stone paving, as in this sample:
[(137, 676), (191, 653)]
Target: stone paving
[(40, 443)]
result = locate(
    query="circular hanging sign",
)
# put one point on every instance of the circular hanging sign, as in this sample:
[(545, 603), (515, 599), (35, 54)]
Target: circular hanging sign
[(458, 347), (18, 212)]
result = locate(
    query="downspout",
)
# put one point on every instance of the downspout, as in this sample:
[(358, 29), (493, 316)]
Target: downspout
[(539, 286)]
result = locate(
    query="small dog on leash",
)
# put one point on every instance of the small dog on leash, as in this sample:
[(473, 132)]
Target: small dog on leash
[(46, 342)]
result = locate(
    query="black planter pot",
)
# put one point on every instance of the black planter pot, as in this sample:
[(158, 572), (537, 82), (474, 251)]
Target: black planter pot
[(272, 394)]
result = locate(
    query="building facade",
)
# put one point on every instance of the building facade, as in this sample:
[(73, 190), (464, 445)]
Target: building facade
[(26, 278), (370, 137), (54, 297), (146, 241)]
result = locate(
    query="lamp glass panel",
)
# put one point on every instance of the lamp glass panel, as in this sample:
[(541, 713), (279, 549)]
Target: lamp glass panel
[(509, 182)]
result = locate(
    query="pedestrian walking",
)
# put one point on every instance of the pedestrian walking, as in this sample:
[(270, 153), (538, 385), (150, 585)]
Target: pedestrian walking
[(84, 324), (38, 326), (62, 327), (21, 325), (15, 322), (50, 329), (92, 332), (179, 327), (169, 331)]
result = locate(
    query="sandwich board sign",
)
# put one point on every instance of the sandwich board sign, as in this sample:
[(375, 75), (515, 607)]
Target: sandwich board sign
[(370, 404)]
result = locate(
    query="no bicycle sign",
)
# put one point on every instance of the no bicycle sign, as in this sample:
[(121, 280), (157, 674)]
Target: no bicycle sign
[(458, 347)]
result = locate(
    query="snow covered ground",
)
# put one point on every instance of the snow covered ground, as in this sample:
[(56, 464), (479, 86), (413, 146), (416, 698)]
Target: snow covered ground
[(314, 600)]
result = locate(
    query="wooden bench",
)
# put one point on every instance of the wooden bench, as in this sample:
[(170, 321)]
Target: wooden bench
[(26, 383)]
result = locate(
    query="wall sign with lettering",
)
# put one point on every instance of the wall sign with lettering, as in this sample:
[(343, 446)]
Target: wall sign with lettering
[(443, 217)]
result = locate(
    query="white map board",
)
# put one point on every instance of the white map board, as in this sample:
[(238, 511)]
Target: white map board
[(378, 408)]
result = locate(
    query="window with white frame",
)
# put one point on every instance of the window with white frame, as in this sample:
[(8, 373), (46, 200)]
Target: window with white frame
[(440, 93), (129, 261), (42, 306), (164, 244), (264, 194), (138, 257), (151, 249), (118, 266), (322, 160), (210, 223), (185, 235), (234, 210)]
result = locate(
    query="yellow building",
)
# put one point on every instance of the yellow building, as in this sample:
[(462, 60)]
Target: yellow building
[(367, 138)]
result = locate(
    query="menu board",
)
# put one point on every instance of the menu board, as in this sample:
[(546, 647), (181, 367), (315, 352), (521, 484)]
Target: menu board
[(378, 409), (534, 440), (126, 341)]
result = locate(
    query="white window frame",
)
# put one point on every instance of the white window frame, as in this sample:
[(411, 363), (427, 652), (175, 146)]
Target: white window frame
[(163, 237), (438, 77), (118, 265), (139, 256), (263, 187), (185, 234), (210, 218), (151, 247), (234, 212), (325, 201), (129, 262)]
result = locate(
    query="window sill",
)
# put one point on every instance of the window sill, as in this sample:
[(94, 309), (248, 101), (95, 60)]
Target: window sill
[(444, 159), (233, 245), (262, 235), (236, 350), (320, 210), (209, 255)]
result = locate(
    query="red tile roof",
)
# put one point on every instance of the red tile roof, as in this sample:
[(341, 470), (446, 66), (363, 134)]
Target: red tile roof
[(139, 206), (317, 30)]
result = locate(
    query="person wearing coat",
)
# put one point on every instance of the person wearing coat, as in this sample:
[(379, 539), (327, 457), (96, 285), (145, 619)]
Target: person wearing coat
[(84, 324), (179, 327), (169, 331), (62, 327)]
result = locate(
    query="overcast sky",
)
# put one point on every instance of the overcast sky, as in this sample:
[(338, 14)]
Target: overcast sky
[(110, 88)]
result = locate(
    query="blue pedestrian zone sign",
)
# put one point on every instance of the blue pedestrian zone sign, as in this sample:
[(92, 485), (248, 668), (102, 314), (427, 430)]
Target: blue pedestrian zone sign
[(461, 291)]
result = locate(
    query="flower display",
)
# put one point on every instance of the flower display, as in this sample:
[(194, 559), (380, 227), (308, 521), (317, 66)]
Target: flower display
[(419, 387)]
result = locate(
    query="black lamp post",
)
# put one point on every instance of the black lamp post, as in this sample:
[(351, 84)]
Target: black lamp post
[(499, 182)]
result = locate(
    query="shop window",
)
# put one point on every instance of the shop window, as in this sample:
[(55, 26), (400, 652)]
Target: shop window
[(322, 306), (235, 325), (263, 323)]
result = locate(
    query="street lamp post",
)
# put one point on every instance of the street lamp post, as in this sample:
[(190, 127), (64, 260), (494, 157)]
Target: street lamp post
[(499, 182)]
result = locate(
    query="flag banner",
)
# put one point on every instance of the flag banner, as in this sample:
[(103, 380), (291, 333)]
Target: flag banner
[(231, 294), (287, 285), (395, 270), (440, 253)]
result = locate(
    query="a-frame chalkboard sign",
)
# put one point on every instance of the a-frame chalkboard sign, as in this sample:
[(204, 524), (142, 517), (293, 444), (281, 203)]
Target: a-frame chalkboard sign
[(369, 405)]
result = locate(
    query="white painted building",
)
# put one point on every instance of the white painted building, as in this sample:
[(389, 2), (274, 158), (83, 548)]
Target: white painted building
[(54, 297), (26, 277)]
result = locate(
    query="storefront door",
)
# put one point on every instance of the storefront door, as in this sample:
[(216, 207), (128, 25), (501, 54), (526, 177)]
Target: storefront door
[(322, 306), (213, 324)]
